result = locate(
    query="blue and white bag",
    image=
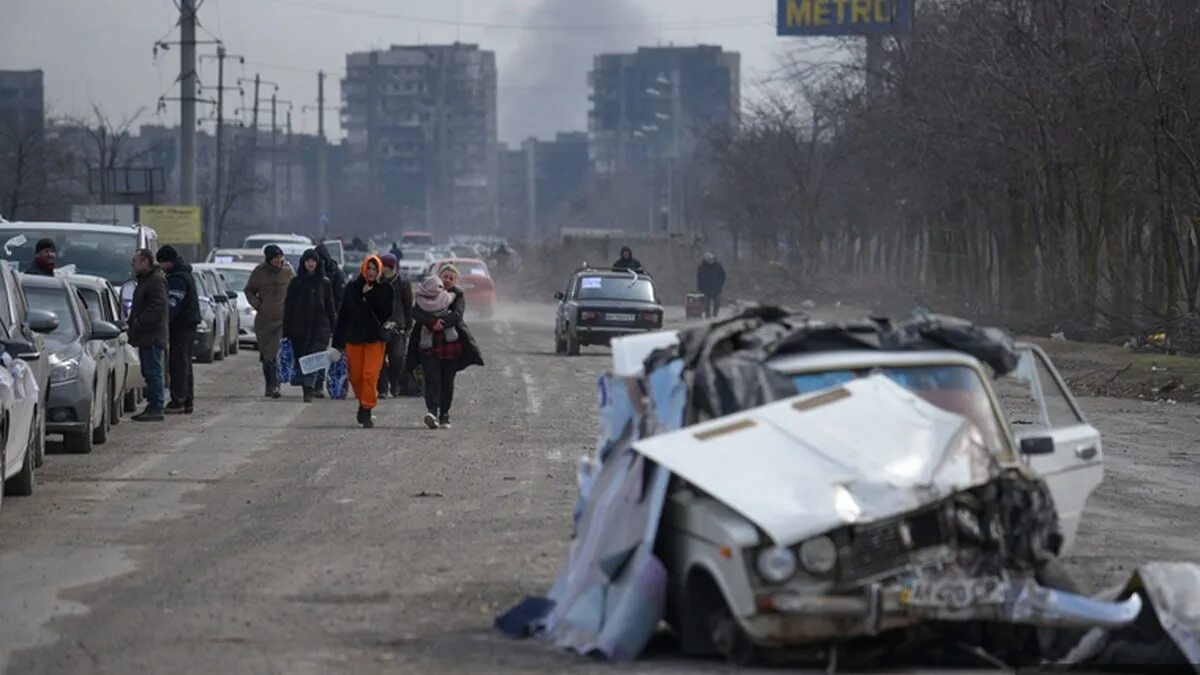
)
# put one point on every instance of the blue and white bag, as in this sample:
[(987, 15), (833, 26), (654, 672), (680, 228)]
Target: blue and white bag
[(337, 378)]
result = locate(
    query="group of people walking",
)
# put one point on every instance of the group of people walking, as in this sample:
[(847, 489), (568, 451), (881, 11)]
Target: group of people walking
[(385, 328)]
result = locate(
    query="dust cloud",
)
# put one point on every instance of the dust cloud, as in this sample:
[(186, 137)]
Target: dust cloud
[(545, 81)]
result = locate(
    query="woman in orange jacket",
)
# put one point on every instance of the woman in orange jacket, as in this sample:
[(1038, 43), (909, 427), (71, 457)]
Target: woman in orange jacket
[(366, 309)]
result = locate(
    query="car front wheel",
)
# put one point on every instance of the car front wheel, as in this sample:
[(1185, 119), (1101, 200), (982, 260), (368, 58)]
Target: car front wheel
[(572, 343), (100, 433), (21, 485)]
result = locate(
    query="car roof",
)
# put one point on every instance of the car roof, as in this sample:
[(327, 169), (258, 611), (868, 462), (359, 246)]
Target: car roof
[(857, 359), (237, 251), (607, 272), (463, 261), (89, 280), (226, 265), (41, 281), (67, 227), (281, 235)]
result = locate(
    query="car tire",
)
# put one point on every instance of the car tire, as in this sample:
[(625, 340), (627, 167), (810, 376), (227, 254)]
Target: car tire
[(234, 346), (205, 355), (39, 438), (708, 627), (560, 347), (21, 485), (79, 443), (130, 401), (115, 405), (100, 433), (572, 345)]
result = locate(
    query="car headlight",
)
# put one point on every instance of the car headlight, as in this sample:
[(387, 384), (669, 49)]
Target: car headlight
[(818, 555), (776, 564), (63, 370)]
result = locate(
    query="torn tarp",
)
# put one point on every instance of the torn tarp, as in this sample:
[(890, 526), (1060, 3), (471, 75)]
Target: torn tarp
[(611, 595)]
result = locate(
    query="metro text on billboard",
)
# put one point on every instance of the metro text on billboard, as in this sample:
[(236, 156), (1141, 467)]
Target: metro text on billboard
[(844, 17)]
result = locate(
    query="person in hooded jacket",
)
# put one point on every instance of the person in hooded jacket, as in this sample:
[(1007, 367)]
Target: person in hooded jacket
[(149, 330), (266, 291), (440, 342), (627, 261), (333, 272), (361, 323), (184, 310), (392, 381), (309, 314), (710, 281)]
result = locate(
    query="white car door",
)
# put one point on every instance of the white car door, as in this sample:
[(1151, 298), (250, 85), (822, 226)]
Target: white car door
[(1056, 440), (21, 421)]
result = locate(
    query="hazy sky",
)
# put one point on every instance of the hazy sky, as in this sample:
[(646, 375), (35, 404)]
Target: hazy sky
[(101, 50)]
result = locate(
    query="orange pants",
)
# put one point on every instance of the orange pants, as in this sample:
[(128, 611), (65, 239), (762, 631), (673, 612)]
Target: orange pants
[(365, 361)]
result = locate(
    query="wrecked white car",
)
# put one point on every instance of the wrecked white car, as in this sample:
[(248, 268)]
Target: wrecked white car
[(845, 492)]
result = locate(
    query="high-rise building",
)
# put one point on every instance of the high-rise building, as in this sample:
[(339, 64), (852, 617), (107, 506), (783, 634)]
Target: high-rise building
[(22, 101), (421, 134), (656, 104), (540, 183)]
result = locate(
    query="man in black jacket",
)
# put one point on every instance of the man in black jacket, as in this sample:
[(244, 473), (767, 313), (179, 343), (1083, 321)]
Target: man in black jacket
[(184, 307), (44, 255), (627, 261), (710, 281), (149, 317)]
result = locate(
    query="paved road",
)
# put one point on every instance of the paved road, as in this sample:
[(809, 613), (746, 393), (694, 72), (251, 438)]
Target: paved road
[(273, 536)]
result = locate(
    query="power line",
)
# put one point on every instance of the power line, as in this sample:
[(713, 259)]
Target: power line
[(325, 6)]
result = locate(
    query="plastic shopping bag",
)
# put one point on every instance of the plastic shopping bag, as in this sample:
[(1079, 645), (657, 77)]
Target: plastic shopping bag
[(337, 378), (285, 363)]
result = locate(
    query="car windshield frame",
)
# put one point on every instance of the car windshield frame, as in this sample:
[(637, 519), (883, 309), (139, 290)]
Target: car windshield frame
[(81, 248), (68, 329), (614, 287), (974, 403)]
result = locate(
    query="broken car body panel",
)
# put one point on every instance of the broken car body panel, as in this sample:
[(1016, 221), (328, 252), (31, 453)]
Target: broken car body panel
[(914, 480)]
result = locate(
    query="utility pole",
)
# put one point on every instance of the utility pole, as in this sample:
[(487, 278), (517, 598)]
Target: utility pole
[(322, 159), (274, 164), (213, 233), (187, 106), (288, 181)]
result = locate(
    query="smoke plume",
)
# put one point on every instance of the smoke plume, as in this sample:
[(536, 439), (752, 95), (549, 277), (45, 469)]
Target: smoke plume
[(544, 84)]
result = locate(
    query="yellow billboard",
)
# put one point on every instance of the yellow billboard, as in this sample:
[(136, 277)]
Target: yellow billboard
[(174, 224)]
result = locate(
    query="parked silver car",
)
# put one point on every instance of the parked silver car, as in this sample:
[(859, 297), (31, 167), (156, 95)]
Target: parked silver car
[(82, 382), (235, 276), (227, 302), (103, 304)]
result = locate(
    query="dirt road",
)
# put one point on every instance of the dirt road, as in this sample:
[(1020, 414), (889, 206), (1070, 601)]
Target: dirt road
[(271, 536)]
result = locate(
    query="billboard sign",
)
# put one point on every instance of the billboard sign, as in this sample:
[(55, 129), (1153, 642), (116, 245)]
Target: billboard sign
[(844, 17), (174, 224), (102, 214)]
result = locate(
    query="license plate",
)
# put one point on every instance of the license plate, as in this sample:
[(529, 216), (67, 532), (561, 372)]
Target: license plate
[(620, 317), (953, 593)]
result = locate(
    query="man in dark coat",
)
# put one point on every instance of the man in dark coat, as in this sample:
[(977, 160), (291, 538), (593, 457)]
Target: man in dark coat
[(309, 315), (333, 272), (149, 331), (184, 305), (627, 261), (44, 255), (710, 281), (393, 380)]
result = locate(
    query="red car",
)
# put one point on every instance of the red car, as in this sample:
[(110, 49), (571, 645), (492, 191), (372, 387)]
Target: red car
[(475, 281)]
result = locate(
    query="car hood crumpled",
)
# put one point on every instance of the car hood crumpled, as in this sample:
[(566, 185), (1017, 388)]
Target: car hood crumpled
[(802, 466)]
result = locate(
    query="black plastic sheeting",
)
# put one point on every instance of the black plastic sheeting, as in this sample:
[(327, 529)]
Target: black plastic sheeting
[(728, 359)]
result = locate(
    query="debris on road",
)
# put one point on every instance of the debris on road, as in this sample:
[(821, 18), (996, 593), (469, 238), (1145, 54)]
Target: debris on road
[(739, 493), (424, 493)]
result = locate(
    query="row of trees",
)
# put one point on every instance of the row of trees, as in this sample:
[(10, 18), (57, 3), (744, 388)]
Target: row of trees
[(45, 168), (1036, 159)]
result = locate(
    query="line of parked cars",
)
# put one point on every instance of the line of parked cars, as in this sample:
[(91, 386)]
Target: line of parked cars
[(67, 367)]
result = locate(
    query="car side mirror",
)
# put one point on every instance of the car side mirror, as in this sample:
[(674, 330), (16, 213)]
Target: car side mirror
[(22, 350), (42, 321), (1037, 446), (222, 299), (559, 295), (103, 330), (232, 295)]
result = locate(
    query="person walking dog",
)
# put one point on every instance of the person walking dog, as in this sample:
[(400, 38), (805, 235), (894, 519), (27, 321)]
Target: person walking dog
[(309, 315), (363, 327)]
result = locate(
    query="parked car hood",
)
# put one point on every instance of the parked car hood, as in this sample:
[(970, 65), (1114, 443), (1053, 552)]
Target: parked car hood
[(802, 466)]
